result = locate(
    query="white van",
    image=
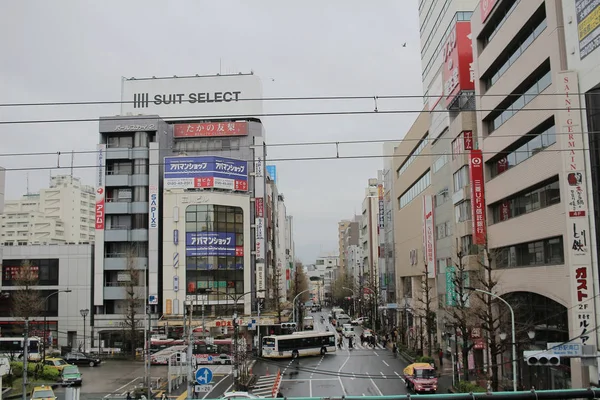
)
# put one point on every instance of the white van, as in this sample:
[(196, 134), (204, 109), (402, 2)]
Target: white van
[(347, 330)]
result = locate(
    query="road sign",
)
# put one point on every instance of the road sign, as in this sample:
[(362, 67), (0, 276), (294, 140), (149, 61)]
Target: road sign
[(209, 358), (565, 349), (203, 388), (204, 376)]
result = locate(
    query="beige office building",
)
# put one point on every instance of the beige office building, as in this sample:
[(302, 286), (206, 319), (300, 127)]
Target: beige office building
[(537, 225)]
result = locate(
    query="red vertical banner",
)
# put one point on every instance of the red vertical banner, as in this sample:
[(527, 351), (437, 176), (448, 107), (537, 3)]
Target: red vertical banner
[(477, 196), (259, 207)]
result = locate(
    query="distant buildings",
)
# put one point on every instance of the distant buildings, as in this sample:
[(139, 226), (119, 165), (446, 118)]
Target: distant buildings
[(62, 213)]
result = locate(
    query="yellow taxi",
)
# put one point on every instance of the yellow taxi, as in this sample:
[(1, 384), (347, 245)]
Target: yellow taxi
[(42, 393), (56, 363)]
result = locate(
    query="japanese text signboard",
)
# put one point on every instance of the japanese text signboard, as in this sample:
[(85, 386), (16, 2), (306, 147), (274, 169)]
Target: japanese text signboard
[(574, 184), (208, 244), (210, 129), (457, 55), (100, 189), (477, 196), (381, 212), (588, 26), (259, 207), (428, 235), (205, 172)]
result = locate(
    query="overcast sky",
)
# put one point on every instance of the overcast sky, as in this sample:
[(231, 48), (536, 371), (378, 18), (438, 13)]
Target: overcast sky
[(79, 50)]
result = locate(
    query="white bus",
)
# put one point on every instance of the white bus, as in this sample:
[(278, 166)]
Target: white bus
[(12, 348), (298, 345)]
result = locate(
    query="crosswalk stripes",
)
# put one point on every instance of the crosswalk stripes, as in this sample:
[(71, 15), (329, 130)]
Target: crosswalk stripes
[(264, 385), (378, 346)]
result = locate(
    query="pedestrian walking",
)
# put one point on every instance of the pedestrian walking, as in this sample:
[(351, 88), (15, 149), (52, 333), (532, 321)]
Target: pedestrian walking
[(441, 356), (129, 396)]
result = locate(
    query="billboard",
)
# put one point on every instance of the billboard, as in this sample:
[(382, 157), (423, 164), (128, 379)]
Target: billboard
[(574, 184), (381, 213), (209, 244), (457, 55), (259, 221), (205, 172), (477, 197), (153, 207), (210, 129), (428, 235), (230, 96), (272, 171), (100, 189), (588, 26), (486, 8), (259, 207)]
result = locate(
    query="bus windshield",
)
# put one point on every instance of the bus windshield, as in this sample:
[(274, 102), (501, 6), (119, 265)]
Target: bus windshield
[(268, 342)]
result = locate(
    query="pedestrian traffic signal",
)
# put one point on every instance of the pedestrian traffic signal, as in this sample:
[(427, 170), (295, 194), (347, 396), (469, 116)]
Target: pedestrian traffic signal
[(541, 359)]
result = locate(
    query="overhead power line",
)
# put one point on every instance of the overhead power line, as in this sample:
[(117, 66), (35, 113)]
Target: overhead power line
[(273, 160), (281, 98)]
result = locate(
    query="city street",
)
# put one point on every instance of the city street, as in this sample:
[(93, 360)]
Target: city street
[(352, 372)]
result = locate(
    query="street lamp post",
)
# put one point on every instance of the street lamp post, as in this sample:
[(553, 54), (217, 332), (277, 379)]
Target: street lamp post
[(46, 315), (84, 313), (353, 299), (294, 304), (514, 338)]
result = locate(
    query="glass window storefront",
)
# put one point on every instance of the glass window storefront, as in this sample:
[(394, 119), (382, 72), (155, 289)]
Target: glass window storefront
[(214, 236)]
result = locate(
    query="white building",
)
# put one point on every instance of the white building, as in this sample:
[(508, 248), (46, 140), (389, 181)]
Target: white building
[(354, 259), (281, 247), (61, 267), (290, 250), (369, 237), (62, 213)]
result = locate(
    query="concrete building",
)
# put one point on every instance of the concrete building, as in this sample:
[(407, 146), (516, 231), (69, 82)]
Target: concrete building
[(351, 239), (321, 276), (354, 259), (369, 236), (127, 236), (342, 226), (2, 189), (290, 250), (412, 180), (60, 267), (535, 193), (61, 213)]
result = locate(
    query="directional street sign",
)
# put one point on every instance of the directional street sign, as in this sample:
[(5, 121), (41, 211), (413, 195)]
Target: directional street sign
[(565, 349), (204, 376), (210, 358)]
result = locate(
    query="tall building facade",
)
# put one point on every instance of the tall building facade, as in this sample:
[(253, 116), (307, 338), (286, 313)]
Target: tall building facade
[(369, 237), (290, 251), (530, 132), (61, 213), (342, 226)]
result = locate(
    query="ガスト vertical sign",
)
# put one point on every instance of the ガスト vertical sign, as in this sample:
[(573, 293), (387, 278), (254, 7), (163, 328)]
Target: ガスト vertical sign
[(457, 54), (477, 196)]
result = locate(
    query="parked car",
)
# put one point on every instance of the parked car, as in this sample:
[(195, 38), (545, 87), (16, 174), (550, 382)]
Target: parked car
[(42, 393), (70, 375), (358, 321), (56, 363), (79, 358)]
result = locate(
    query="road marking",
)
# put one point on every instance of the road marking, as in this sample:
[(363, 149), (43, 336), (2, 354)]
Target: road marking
[(213, 388), (316, 379), (384, 377), (124, 386), (316, 366), (340, 370), (385, 363), (373, 382), (376, 353), (400, 376)]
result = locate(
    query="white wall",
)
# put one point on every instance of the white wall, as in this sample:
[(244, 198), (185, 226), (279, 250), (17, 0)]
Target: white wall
[(74, 273), (174, 204), (280, 248)]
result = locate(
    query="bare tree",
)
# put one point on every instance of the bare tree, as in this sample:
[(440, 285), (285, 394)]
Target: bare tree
[(427, 329), (26, 302), (276, 303), (460, 309), (134, 301)]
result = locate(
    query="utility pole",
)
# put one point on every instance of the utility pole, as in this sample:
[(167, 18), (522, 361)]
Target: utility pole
[(25, 358), (190, 354), (236, 371), (297, 290)]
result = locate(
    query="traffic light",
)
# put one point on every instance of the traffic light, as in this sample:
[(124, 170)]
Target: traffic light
[(288, 325), (541, 359)]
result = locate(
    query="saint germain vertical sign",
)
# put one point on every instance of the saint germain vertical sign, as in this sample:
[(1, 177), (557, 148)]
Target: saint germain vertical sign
[(576, 209)]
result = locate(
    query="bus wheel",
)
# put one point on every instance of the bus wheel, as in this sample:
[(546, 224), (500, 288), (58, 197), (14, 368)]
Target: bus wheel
[(323, 351), (295, 354)]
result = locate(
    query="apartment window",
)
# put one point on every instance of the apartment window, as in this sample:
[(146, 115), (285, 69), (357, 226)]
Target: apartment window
[(463, 211), (465, 245), (416, 189), (523, 40), (120, 141), (530, 92), (441, 197), (458, 144), (540, 252), (443, 230), (413, 156), (120, 168), (442, 264), (500, 17), (537, 140), (461, 178), (440, 162), (530, 200)]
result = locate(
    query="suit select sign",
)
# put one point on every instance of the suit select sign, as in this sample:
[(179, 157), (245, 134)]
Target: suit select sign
[(194, 96)]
